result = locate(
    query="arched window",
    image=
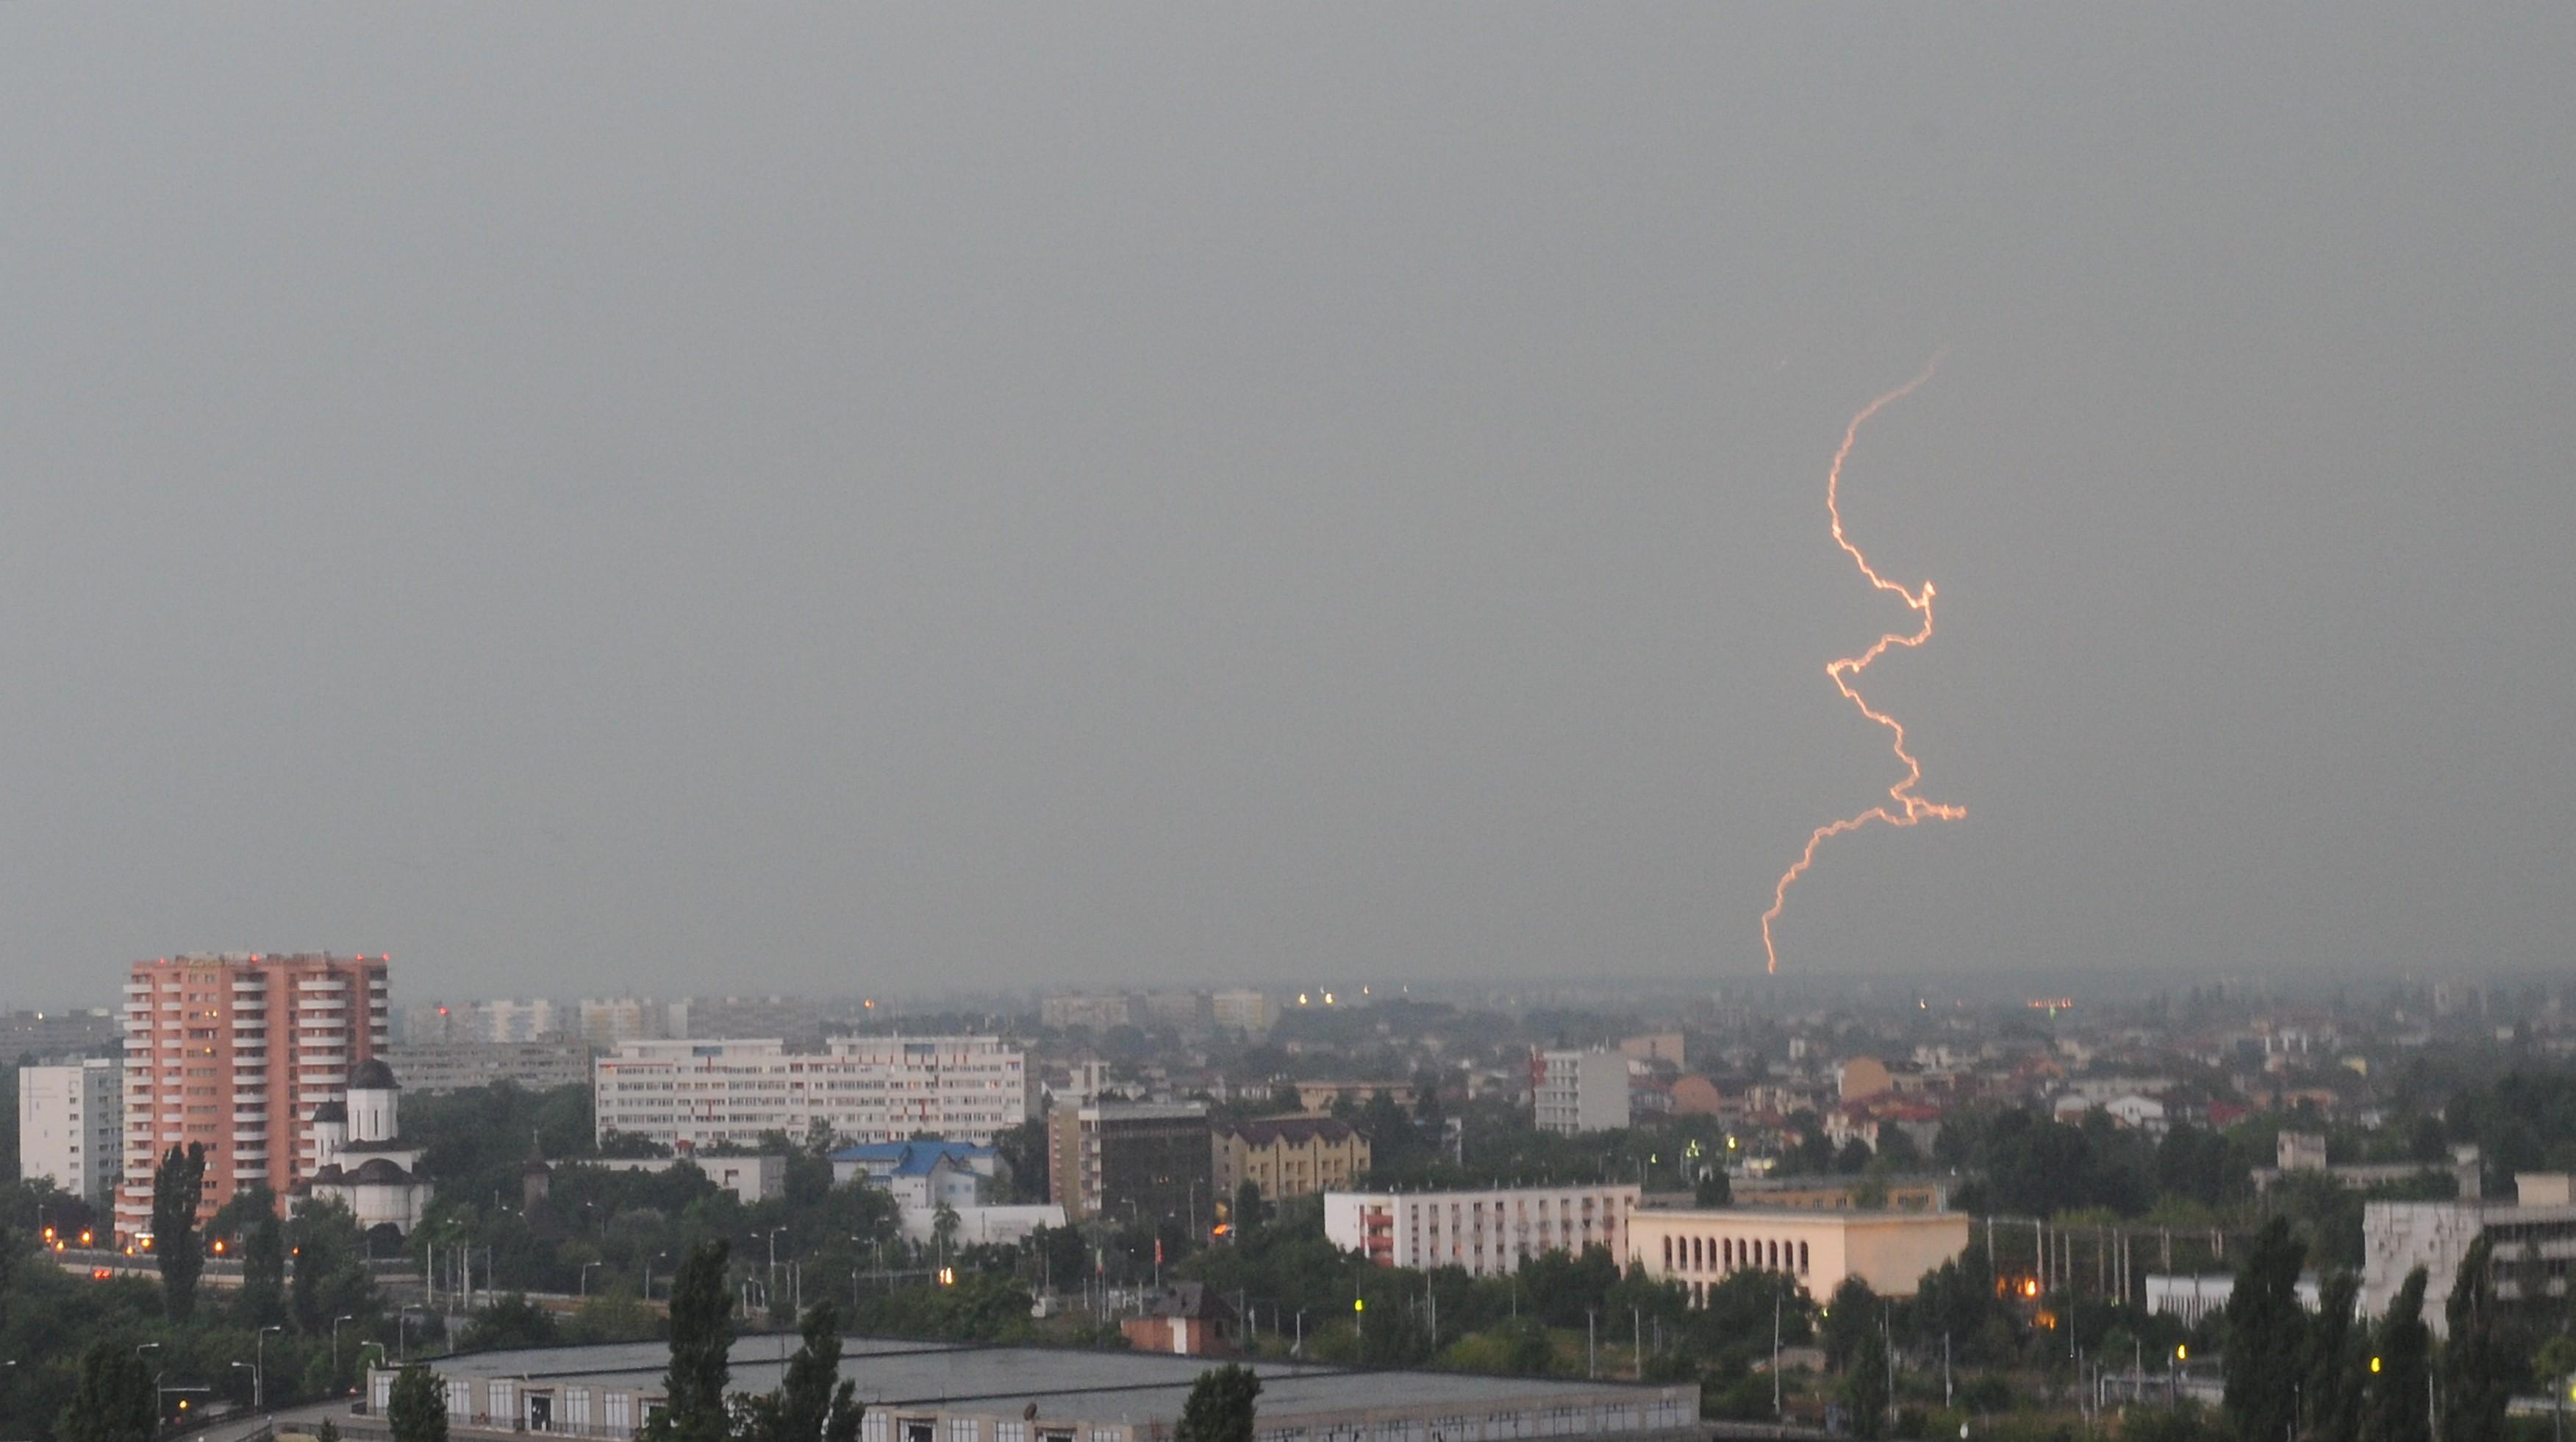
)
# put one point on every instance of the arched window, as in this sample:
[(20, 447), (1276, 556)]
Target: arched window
[(1668, 1254), (1775, 1254), (1802, 1259), (1729, 1246)]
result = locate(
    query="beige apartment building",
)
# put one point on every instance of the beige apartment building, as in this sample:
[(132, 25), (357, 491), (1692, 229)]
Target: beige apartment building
[(1289, 1157)]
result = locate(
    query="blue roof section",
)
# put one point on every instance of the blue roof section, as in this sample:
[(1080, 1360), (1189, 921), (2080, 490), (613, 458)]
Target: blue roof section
[(909, 1159)]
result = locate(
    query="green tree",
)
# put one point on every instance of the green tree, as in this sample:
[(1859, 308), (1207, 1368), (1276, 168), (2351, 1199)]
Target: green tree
[(12, 1250), (114, 1401), (1220, 1406), (509, 1322), (2398, 1406), (2477, 1364), (1714, 1189), (262, 1301), (1063, 1257), (943, 1230), (1249, 1210), (806, 1404), (330, 1268), (2331, 1382), (2185, 1423), (1865, 1379), (2266, 1336), (241, 1212), (329, 1431), (416, 1410), (701, 1336), (1850, 1316), (1957, 1300), (177, 1185)]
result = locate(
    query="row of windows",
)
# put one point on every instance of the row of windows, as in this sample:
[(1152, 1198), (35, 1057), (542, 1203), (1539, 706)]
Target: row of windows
[(1725, 1254)]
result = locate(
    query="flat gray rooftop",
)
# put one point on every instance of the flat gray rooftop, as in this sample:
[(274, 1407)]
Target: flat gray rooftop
[(1130, 1386)]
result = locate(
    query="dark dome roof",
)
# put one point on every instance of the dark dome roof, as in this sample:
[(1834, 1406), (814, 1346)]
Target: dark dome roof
[(330, 1112), (377, 1169), (371, 1075)]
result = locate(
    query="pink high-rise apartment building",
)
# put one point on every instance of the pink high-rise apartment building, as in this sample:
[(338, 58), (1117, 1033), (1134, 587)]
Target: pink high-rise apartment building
[(235, 1051)]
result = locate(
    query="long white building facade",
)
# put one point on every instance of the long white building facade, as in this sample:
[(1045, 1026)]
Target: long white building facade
[(1489, 1233), (863, 1088)]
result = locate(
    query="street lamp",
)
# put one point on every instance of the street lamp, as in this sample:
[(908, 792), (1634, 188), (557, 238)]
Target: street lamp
[(157, 1374), (585, 1276), (770, 1283), (259, 1366), (335, 1345)]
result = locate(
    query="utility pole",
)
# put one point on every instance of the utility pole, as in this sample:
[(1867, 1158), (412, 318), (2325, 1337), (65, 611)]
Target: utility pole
[(1591, 1342), (1887, 1344), (1775, 1355), (1945, 1369)]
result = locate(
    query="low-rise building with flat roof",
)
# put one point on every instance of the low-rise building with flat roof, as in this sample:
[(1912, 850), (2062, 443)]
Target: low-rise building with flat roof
[(750, 1178), (1702, 1246), (951, 1392), (433, 1068), (1490, 1233)]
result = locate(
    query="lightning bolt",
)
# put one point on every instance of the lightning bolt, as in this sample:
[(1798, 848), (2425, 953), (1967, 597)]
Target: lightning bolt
[(1909, 809)]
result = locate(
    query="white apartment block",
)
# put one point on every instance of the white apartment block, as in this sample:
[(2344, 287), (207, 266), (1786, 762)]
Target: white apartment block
[(512, 1020), (500, 1022), (1243, 1010), (2532, 1238), (71, 1124), (865, 1089), (610, 1024), (1490, 1233), (1578, 1091)]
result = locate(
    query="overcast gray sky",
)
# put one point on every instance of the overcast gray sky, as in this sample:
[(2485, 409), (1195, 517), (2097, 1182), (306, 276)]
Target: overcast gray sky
[(592, 498)]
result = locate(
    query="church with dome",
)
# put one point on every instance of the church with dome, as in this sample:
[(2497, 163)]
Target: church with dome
[(360, 1157)]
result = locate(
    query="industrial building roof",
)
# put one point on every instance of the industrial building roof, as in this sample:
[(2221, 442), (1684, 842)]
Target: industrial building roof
[(1102, 1386)]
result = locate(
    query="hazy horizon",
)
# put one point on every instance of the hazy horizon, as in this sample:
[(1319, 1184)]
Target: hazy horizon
[(588, 502)]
